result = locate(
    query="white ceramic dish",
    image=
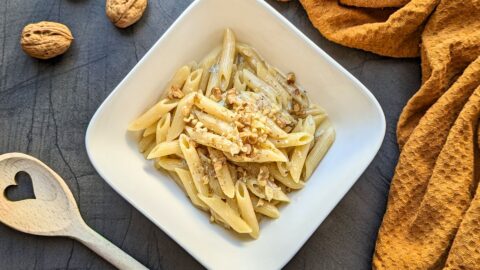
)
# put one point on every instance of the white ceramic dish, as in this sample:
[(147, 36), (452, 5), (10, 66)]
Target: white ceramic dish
[(356, 115)]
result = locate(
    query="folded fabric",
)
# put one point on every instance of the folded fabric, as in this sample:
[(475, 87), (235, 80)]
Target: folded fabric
[(432, 219)]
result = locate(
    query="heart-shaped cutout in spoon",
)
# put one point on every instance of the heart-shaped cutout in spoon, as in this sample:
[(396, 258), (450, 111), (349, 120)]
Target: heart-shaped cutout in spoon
[(22, 190), (53, 211)]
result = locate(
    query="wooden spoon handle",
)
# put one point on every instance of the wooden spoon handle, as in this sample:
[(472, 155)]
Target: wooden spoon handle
[(106, 249)]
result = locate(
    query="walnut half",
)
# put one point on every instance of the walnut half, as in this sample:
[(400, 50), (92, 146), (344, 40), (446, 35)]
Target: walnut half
[(45, 40), (124, 13)]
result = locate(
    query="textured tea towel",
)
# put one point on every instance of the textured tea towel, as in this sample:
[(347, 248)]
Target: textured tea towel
[(432, 219)]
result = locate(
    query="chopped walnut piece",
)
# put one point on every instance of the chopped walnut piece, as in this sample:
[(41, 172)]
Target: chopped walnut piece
[(232, 96), (291, 78), (218, 163), (296, 107), (263, 175), (216, 94), (260, 203), (247, 148), (175, 92)]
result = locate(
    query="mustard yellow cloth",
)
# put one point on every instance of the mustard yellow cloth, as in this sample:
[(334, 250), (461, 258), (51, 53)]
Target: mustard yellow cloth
[(432, 219)]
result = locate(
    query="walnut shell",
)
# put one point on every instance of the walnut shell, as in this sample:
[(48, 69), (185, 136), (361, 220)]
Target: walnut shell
[(45, 40), (124, 13)]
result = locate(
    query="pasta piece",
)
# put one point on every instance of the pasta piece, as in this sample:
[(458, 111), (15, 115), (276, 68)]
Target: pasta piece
[(274, 130), (170, 164), (206, 64), (222, 172), (226, 59), (252, 57), (283, 96), (145, 142), (214, 124), (238, 82), (193, 81), (298, 95), (183, 108), (232, 203), (315, 109), (226, 213), (286, 180), (211, 107), (213, 140), (299, 154), (213, 182), (246, 208), (319, 119), (152, 115), (162, 128), (166, 149), (267, 209), (187, 181), (149, 149), (233, 172), (260, 86), (261, 156), (318, 151), (194, 164), (150, 130), (293, 139), (178, 79)]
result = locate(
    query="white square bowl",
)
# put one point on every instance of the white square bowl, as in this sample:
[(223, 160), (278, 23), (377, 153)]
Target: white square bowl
[(356, 115)]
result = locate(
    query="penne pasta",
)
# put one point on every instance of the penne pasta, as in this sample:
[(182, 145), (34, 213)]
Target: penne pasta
[(194, 164), (193, 82), (152, 115), (286, 180), (274, 130), (171, 164), (318, 151), (258, 85), (227, 56), (213, 140), (150, 130), (293, 139), (299, 154), (222, 172), (162, 128), (318, 119), (238, 82), (166, 149), (183, 109), (216, 125), (145, 142), (211, 107), (187, 182), (206, 64), (261, 156), (226, 213), (246, 208), (177, 80), (267, 209)]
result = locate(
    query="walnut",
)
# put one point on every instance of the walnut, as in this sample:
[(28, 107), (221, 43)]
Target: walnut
[(124, 13), (216, 94), (291, 78), (44, 40), (263, 175), (175, 93)]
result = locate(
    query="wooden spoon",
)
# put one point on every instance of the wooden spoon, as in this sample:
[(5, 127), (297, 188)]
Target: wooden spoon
[(54, 211)]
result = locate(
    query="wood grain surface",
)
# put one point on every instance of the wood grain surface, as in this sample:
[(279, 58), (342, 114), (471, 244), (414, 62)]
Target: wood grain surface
[(45, 107)]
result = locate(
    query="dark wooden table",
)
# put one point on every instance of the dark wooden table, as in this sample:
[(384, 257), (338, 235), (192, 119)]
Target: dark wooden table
[(45, 107)]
